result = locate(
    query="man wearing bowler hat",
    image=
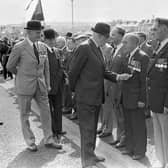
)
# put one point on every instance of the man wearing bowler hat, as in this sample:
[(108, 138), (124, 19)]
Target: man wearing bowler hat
[(86, 76), (28, 60)]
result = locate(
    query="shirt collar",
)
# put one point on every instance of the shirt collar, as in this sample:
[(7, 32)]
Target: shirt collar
[(49, 48), (29, 41), (95, 42), (133, 52)]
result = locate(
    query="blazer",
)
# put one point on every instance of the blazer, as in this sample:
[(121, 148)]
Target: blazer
[(158, 81), (56, 73), (134, 89), (23, 62), (87, 73)]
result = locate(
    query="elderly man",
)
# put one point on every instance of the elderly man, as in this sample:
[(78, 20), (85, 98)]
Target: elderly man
[(134, 61), (86, 76), (28, 60), (158, 90)]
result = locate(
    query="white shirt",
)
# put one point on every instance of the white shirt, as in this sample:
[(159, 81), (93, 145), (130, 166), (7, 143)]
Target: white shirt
[(29, 41), (163, 43), (117, 49), (49, 48)]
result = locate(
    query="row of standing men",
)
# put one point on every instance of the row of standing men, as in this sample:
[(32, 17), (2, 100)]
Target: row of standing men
[(130, 67)]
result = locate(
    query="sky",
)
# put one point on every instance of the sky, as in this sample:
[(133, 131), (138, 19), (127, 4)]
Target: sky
[(13, 11)]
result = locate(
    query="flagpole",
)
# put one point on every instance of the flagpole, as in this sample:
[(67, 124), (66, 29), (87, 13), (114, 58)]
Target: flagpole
[(72, 7)]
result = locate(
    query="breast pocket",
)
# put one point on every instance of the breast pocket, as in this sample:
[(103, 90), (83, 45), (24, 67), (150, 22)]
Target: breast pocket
[(42, 59)]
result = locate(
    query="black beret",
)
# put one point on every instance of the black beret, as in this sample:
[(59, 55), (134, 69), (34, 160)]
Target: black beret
[(50, 33)]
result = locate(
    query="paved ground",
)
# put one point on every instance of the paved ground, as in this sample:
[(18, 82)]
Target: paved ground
[(12, 146)]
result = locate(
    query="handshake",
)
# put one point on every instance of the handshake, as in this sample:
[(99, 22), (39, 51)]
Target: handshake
[(124, 76)]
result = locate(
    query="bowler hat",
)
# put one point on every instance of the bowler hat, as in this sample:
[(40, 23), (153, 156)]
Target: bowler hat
[(102, 28), (34, 25), (50, 33)]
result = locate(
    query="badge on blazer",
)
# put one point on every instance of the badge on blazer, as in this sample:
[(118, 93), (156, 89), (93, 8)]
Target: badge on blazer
[(161, 64), (135, 66)]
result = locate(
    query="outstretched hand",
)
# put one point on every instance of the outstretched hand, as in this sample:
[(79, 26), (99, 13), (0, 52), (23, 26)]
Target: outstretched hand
[(124, 76)]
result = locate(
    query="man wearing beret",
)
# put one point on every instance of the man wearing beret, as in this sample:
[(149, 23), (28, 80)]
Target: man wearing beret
[(56, 82), (28, 60), (158, 90), (86, 77)]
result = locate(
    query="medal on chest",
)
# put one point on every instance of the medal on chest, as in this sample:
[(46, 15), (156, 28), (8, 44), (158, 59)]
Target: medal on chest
[(161, 64)]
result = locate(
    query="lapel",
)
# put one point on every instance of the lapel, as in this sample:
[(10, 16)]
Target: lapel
[(156, 56), (96, 51), (134, 55), (28, 48)]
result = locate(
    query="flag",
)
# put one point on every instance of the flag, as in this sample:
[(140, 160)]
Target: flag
[(28, 6), (38, 12)]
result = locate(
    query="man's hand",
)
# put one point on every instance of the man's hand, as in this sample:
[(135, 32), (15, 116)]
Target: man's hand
[(141, 104), (66, 81), (49, 88), (124, 76), (165, 110)]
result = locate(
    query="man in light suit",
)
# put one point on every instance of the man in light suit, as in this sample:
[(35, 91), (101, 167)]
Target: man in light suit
[(106, 114), (117, 35), (86, 77), (28, 60)]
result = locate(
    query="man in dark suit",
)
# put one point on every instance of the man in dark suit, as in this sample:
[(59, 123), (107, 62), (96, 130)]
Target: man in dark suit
[(86, 77), (56, 82), (158, 90), (135, 62)]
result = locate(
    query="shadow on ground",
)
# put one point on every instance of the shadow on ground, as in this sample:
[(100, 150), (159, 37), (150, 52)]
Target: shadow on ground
[(38, 159)]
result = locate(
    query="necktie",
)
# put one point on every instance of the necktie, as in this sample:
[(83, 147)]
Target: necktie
[(36, 52), (99, 50), (52, 49)]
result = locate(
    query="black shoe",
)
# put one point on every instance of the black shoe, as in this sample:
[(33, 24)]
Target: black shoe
[(53, 145), (66, 110), (73, 117), (61, 132), (32, 148), (137, 157), (120, 145), (105, 134), (99, 159), (127, 152), (99, 131), (114, 142), (1, 123)]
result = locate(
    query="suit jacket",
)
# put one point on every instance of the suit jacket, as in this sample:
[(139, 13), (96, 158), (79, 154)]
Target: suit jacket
[(158, 82), (23, 62), (56, 73), (134, 89), (87, 73)]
